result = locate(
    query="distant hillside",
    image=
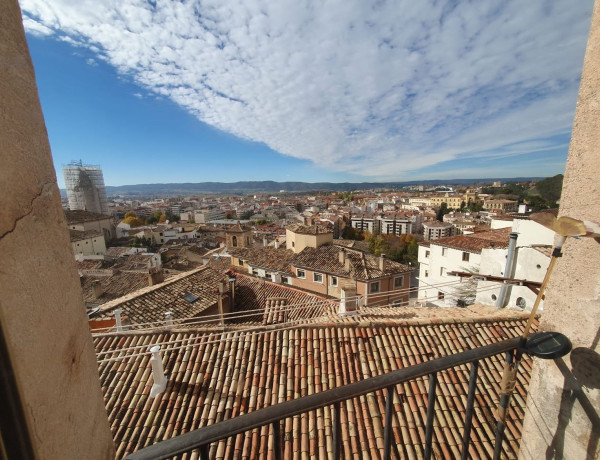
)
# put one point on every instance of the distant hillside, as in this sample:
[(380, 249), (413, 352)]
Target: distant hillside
[(250, 187)]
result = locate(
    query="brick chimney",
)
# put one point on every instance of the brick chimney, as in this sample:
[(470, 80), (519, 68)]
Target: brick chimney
[(97, 287), (155, 276)]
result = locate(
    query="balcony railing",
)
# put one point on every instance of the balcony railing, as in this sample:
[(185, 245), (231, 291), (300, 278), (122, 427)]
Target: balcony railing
[(202, 438)]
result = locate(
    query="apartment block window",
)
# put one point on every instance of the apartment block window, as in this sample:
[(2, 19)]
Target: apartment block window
[(398, 282), (427, 253), (426, 273), (334, 281), (440, 295), (300, 273), (318, 277), (465, 257), (444, 251), (374, 287), (442, 271)]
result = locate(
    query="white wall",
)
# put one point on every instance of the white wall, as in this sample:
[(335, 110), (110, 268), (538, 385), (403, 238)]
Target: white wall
[(452, 260)]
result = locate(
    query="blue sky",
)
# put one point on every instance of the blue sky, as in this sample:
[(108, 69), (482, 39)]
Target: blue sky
[(340, 91)]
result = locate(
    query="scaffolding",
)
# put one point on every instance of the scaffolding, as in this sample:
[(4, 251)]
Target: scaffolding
[(85, 187)]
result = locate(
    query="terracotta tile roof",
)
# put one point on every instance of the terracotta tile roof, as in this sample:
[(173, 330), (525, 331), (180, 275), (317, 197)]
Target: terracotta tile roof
[(77, 235), (221, 375), (238, 228), (252, 294), (352, 244), (362, 266), (113, 285), (80, 216), (150, 304), (477, 241), (265, 257), (308, 229), (437, 224)]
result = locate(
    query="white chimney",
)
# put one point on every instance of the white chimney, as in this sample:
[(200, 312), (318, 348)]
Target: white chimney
[(522, 208), (169, 319), (382, 262), (265, 242), (342, 256), (276, 243), (119, 324), (158, 372), (348, 304)]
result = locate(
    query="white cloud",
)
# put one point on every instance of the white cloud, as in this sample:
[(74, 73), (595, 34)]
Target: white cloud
[(375, 89)]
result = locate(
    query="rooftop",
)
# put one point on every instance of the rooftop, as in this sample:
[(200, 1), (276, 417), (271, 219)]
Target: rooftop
[(308, 229), (362, 266), (77, 235), (80, 216), (476, 242), (213, 376), (265, 257)]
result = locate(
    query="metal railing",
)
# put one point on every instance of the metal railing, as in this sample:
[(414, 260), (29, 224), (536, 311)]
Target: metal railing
[(202, 438)]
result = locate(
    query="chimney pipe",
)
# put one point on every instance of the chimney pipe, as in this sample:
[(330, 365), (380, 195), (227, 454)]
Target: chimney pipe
[(276, 243), (119, 324), (265, 241), (158, 372), (97, 287), (509, 270), (342, 256), (382, 262), (169, 319)]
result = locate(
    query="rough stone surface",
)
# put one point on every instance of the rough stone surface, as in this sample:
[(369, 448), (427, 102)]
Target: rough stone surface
[(563, 419), (41, 310)]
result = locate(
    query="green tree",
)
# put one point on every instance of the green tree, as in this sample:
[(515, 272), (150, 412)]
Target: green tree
[(442, 211), (130, 214), (350, 233)]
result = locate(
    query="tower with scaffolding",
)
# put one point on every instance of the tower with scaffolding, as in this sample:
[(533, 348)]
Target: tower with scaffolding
[(85, 187)]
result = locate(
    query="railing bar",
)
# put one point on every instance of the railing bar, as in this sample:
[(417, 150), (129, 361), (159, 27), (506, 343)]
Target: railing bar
[(267, 415), (469, 412), (337, 438), (387, 433), (277, 440), (501, 425), (204, 451), (430, 412)]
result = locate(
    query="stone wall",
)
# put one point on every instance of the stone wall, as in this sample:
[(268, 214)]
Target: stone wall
[(563, 406), (41, 313)]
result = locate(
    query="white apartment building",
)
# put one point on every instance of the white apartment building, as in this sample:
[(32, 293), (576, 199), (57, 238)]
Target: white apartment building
[(485, 253), (206, 215), (435, 230), (456, 253)]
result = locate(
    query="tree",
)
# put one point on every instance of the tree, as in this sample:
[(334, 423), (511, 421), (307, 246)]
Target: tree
[(163, 219), (350, 233), (463, 206), (442, 211), (130, 214), (377, 244), (133, 221)]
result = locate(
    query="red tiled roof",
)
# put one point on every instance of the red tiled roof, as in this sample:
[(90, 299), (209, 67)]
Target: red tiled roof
[(477, 241), (80, 216), (222, 375), (362, 266), (308, 229)]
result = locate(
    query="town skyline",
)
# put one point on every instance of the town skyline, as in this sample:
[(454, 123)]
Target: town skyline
[(288, 99)]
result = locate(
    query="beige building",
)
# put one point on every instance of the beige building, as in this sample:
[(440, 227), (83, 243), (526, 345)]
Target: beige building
[(501, 206), (90, 243), (239, 236), (85, 221), (300, 236)]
